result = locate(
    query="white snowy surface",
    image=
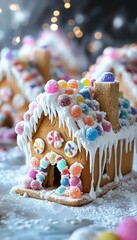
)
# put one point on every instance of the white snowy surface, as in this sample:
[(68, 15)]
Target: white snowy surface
[(24, 217)]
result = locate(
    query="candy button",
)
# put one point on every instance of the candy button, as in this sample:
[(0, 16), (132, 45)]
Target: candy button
[(39, 145), (70, 149), (64, 100), (91, 134), (76, 111), (54, 139), (52, 86), (86, 82), (63, 84)]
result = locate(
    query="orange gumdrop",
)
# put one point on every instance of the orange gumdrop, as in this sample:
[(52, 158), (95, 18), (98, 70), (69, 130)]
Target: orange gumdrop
[(34, 162), (88, 120), (74, 192), (75, 170), (73, 84), (69, 91), (76, 111)]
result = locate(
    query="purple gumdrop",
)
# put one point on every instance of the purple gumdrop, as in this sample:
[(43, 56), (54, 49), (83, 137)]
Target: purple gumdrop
[(74, 181)]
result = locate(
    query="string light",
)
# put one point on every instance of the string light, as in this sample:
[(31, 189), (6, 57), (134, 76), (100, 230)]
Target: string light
[(97, 35), (118, 22), (0, 10), (14, 7), (67, 5), (54, 19), (56, 13), (71, 22), (16, 40), (54, 27)]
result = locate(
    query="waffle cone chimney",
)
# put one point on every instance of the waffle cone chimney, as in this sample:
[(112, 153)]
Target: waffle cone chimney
[(107, 95), (42, 61)]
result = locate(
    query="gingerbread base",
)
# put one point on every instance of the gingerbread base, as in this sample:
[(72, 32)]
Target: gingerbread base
[(50, 195)]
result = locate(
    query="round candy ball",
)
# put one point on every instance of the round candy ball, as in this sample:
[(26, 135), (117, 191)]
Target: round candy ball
[(74, 192), (43, 163), (80, 98), (91, 134), (107, 77), (74, 181), (126, 104), (85, 93), (89, 103), (34, 162), (32, 106), (86, 82), (84, 108), (75, 169), (105, 235), (64, 181), (106, 126), (63, 84), (65, 172), (27, 182), (73, 84), (36, 185), (123, 114), (69, 91), (52, 86), (61, 165), (27, 115), (64, 100), (19, 129), (80, 85), (61, 190), (127, 229), (88, 120), (99, 129), (40, 176), (76, 111), (32, 173), (83, 234)]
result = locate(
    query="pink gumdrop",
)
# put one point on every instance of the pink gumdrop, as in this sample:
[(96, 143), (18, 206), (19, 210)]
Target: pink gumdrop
[(127, 229), (28, 40), (111, 52), (74, 181), (32, 173), (32, 106), (52, 86), (106, 126), (27, 182), (19, 128), (36, 185), (27, 115)]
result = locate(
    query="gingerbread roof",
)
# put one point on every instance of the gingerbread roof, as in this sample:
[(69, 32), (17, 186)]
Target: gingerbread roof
[(75, 106)]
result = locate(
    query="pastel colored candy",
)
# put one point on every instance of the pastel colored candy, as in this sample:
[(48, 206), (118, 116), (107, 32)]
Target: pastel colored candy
[(85, 93), (39, 145), (86, 82), (127, 229), (52, 86), (106, 235), (32, 173), (36, 185), (61, 190), (76, 169), (40, 176), (51, 157), (54, 139), (74, 181), (76, 111), (19, 128), (107, 77), (63, 84), (74, 192), (34, 162), (64, 181), (27, 182), (91, 134), (61, 165), (70, 149), (64, 100), (43, 163)]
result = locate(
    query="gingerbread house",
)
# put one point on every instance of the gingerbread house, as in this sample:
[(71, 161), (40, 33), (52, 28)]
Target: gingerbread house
[(79, 140), (123, 63)]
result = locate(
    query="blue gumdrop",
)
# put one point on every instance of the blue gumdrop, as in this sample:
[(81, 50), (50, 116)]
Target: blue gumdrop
[(43, 163), (99, 129), (89, 103), (107, 77), (61, 164), (61, 190), (123, 114), (85, 93), (91, 134), (133, 111), (40, 177), (84, 108), (126, 104), (64, 181), (80, 85)]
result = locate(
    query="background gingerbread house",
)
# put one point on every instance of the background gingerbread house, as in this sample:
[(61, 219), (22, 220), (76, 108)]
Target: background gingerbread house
[(69, 144), (123, 63)]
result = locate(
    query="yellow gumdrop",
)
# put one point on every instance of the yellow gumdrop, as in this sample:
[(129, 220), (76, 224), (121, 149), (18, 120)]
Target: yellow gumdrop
[(63, 84), (107, 236), (86, 82), (80, 98)]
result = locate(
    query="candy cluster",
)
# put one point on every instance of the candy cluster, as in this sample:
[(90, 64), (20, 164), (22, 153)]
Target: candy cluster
[(127, 114), (70, 183)]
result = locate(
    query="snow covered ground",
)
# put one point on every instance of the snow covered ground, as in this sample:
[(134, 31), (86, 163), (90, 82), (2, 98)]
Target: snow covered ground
[(23, 217)]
